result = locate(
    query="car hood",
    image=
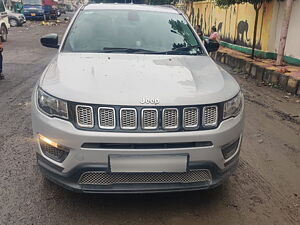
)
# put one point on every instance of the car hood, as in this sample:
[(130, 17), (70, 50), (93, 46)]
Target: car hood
[(124, 79), (13, 14)]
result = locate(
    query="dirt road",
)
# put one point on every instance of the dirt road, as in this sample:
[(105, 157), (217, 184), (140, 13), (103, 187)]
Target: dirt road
[(264, 190)]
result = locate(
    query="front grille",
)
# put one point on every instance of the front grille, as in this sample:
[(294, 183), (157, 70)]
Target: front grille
[(84, 116), (190, 117), (128, 118), (144, 119), (103, 178), (170, 118), (210, 116), (149, 118), (107, 118)]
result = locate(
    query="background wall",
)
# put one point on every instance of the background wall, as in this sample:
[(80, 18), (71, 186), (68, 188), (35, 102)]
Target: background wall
[(236, 24), (292, 48)]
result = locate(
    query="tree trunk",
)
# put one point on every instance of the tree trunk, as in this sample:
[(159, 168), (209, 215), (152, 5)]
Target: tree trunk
[(191, 3), (256, 8), (284, 31)]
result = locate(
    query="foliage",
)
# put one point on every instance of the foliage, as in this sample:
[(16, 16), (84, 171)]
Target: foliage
[(225, 3)]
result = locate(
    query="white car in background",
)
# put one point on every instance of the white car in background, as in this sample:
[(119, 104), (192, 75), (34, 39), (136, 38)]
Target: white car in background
[(4, 24), (15, 19)]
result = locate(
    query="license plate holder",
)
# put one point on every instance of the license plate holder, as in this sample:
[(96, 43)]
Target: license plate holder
[(33, 14), (173, 163)]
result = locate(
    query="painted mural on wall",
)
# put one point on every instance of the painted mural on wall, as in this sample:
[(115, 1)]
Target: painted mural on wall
[(235, 24)]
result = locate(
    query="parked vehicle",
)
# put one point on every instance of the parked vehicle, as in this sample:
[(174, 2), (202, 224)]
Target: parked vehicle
[(15, 19), (4, 25), (62, 8), (33, 10), (50, 8), (132, 102)]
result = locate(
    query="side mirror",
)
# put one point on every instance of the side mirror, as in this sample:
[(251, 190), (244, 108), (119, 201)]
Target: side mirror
[(50, 41), (212, 46)]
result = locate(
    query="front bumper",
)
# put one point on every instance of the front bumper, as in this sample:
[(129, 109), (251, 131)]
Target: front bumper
[(70, 180), (80, 160), (29, 16), (22, 20)]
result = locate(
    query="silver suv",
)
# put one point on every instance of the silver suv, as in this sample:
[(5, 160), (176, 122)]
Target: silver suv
[(133, 103)]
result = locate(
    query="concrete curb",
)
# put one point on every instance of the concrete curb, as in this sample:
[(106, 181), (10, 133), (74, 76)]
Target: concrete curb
[(261, 73)]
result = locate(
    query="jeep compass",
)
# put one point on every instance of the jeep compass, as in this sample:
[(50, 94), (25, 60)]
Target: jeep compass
[(132, 102)]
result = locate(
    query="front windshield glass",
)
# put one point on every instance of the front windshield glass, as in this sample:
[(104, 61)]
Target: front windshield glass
[(131, 31), (32, 2)]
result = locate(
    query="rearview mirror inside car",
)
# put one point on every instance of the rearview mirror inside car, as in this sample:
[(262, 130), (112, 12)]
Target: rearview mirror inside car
[(50, 41)]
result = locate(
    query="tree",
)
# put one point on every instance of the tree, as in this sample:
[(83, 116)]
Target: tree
[(257, 4), (284, 32)]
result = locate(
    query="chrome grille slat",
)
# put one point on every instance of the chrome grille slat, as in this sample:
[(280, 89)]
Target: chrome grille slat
[(149, 119), (107, 117), (84, 116), (190, 117), (128, 118), (210, 116), (103, 178), (170, 118)]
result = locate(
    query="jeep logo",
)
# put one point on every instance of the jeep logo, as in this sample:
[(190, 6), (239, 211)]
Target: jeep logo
[(149, 101)]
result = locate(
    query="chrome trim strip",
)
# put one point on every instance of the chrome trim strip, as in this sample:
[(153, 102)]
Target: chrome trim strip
[(92, 112), (99, 118), (142, 116), (136, 122)]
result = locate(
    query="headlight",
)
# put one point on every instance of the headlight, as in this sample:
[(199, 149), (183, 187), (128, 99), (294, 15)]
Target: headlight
[(51, 105), (233, 106)]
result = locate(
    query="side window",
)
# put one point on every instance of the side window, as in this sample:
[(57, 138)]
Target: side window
[(2, 8)]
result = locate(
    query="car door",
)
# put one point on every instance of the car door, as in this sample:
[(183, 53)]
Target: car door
[(3, 15)]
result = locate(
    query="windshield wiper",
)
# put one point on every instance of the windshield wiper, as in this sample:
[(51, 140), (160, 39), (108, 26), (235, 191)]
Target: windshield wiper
[(128, 50), (180, 50), (185, 49)]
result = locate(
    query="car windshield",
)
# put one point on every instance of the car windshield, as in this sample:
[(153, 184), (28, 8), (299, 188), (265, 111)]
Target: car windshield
[(131, 31), (32, 2)]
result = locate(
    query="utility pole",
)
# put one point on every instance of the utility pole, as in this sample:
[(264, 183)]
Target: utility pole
[(284, 31)]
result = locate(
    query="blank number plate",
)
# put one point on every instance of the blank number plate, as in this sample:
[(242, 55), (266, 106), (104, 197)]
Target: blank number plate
[(148, 163)]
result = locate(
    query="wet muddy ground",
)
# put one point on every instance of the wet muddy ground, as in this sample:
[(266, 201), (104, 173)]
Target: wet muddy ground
[(264, 190)]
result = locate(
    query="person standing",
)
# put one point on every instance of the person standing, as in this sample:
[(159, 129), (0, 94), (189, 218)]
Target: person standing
[(214, 36), (199, 32), (1, 59)]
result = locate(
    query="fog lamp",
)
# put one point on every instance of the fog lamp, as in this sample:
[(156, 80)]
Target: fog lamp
[(230, 149), (52, 149)]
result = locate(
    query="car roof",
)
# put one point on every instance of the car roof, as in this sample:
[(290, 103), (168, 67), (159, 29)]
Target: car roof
[(142, 7)]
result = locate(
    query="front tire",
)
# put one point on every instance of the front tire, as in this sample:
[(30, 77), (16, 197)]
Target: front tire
[(3, 33), (13, 22)]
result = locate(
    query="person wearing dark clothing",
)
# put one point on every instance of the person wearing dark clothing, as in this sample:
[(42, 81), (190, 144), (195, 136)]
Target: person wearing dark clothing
[(199, 32), (1, 60)]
